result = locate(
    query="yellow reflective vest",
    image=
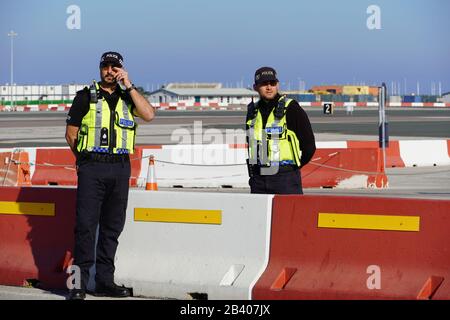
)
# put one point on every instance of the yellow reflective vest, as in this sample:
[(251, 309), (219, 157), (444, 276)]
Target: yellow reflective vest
[(107, 131), (273, 144)]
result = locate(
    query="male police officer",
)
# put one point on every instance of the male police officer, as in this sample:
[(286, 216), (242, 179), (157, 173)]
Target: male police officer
[(280, 138), (101, 133)]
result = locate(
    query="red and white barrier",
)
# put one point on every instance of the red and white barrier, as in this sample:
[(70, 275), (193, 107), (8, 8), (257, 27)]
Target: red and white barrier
[(404, 153), (37, 108), (187, 245), (344, 164), (187, 106)]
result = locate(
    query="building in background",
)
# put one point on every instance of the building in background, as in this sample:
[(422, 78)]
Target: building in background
[(201, 94), (28, 93), (208, 95), (446, 97), (334, 89), (349, 90)]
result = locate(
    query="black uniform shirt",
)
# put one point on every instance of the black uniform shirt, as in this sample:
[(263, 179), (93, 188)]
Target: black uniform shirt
[(297, 121), (80, 105)]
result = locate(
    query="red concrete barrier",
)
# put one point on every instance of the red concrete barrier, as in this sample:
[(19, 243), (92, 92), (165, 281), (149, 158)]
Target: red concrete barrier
[(330, 247), (136, 162), (362, 167), (55, 167), (14, 169), (36, 235), (448, 147), (393, 158)]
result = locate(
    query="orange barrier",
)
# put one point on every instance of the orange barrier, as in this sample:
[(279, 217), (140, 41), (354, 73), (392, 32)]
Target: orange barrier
[(393, 158), (136, 163), (330, 247), (448, 147), (36, 235), (55, 167), (14, 169), (362, 167)]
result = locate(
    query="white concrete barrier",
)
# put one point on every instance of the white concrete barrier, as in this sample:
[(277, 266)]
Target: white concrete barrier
[(215, 244), (202, 166), (331, 144), (424, 152)]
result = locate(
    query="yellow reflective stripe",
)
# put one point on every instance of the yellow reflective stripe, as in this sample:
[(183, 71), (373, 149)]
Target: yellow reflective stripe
[(27, 208), (288, 150), (178, 215), (369, 222), (123, 113), (125, 137)]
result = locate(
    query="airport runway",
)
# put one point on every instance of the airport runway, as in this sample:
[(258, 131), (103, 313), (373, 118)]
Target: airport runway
[(48, 128)]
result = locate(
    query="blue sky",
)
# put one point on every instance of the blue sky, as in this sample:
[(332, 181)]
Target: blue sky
[(320, 42)]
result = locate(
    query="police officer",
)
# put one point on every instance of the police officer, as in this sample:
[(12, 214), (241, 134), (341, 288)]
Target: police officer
[(279, 136), (101, 131)]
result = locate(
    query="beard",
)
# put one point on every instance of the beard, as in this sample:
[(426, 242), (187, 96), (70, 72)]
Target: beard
[(108, 79)]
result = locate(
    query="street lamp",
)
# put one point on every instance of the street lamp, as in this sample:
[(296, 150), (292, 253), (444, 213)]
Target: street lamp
[(12, 34)]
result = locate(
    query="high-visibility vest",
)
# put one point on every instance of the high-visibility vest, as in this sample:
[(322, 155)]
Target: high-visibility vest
[(104, 130), (274, 144)]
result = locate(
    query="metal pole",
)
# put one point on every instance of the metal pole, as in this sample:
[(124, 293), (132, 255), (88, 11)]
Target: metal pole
[(12, 34), (405, 92), (382, 121)]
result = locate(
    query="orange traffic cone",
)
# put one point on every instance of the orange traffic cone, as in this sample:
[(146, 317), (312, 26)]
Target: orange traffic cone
[(151, 177)]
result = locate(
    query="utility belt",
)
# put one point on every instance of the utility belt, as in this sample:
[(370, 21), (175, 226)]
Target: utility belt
[(103, 157), (283, 166)]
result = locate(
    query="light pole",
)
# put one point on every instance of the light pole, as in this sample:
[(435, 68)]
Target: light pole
[(12, 34)]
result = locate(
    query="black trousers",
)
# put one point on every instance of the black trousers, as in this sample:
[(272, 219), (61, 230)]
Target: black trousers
[(102, 198), (284, 182)]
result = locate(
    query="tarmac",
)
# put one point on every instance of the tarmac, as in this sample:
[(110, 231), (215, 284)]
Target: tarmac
[(24, 293), (47, 129)]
